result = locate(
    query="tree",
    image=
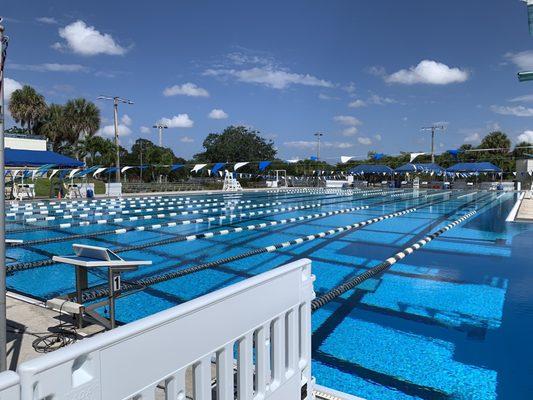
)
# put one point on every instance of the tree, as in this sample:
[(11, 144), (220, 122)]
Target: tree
[(520, 150), (234, 144), (53, 126), (496, 140), (83, 119), (27, 107)]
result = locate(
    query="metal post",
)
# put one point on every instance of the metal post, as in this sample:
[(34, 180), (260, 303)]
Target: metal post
[(116, 100), (433, 144), (160, 128), (141, 146), (115, 114), (3, 322), (318, 135), (111, 298), (433, 129)]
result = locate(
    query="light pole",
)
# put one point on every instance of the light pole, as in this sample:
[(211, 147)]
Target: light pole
[(160, 128), (141, 150), (433, 129), (318, 136), (3, 322), (116, 100), (529, 15)]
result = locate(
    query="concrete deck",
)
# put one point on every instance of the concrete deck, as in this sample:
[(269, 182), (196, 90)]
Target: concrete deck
[(28, 320), (525, 211)]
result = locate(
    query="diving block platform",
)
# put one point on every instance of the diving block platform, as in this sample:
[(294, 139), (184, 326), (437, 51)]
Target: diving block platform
[(87, 257)]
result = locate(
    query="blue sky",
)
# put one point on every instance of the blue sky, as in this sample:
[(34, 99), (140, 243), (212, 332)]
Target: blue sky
[(367, 74)]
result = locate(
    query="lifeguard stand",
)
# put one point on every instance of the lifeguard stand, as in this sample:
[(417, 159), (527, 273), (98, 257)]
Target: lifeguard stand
[(231, 184), (281, 176), (85, 258)]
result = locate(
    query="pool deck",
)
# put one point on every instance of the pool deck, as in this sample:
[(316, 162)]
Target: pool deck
[(525, 211), (27, 320)]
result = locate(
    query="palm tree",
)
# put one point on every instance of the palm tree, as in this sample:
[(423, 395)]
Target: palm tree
[(53, 126), (27, 107), (83, 120), (496, 140)]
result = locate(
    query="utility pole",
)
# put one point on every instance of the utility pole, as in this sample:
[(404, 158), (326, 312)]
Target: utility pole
[(116, 100), (433, 129), (141, 147), (160, 128), (3, 322), (318, 136)]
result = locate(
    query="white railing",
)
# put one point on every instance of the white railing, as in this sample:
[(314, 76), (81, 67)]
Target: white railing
[(251, 340)]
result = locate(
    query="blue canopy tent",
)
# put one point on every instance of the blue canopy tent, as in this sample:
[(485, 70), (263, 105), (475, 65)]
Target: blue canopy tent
[(474, 167), (34, 158), (421, 168), (371, 169)]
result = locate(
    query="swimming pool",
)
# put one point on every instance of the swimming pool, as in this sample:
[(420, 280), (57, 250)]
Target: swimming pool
[(451, 321)]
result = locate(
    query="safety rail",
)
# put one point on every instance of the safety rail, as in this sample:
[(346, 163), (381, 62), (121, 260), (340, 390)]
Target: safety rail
[(251, 340)]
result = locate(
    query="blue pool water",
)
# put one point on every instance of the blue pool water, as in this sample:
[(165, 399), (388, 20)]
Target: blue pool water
[(451, 321)]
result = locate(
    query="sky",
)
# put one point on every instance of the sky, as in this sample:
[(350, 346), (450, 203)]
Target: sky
[(366, 74)]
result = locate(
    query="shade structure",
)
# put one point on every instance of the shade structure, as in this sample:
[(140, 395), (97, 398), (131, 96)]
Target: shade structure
[(420, 168), (371, 169), (474, 167), (34, 158)]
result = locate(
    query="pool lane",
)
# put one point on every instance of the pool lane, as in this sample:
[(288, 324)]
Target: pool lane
[(426, 318)]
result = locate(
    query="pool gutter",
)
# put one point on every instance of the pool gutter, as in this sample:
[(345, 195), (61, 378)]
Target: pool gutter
[(512, 215)]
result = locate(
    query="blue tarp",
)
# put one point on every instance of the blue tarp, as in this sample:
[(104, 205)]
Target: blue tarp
[(264, 164), (371, 169), (420, 167), (34, 158), (474, 167)]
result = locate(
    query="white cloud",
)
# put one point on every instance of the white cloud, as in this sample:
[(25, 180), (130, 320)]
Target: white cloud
[(373, 99), (47, 20), (49, 67), (109, 130), (380, 101), (270, 76), (186, 139), (87, 41), (350, 88), (309, 144), (126, 120), (365, 141), (378, 137), (217, 113), (523, 59), (522, 99), (10, 85), (323, 96), (350, 131), (517, 111), (472, 137), (178, 121), (145, 129), (428, 72), (376, 70), (186, 89), (347, 120), (527, 136), (357, 103)]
